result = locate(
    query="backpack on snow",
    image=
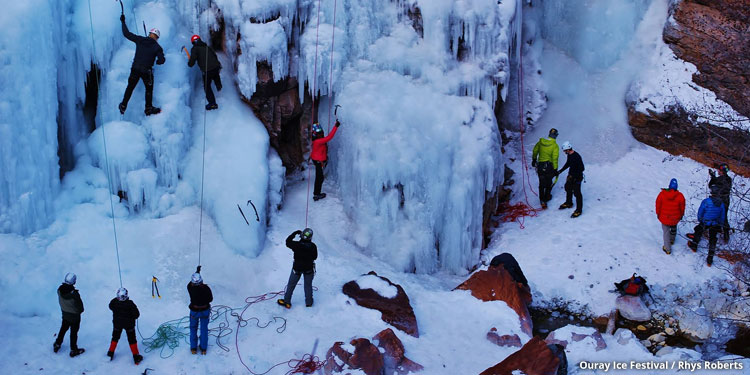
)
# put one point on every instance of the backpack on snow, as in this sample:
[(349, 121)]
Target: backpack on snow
[(634, 286)]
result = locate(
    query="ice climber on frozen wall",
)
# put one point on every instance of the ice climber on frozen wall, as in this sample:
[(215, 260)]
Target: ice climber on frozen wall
[(72, 308), (319, 156), (146, 50), (670, 208), (544, 158), (124, 314), (210, 66)]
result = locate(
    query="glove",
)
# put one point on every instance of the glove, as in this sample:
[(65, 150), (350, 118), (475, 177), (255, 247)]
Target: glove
[(297, 232), (122, 17), (337, 124), (712, 173), (198, 270), (533, 163)]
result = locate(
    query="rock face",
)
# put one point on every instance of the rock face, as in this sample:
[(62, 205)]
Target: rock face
[(696, 326), (570, 334), (368, 357), (496, 284), (633, 308), (534, 358), (396, 311)]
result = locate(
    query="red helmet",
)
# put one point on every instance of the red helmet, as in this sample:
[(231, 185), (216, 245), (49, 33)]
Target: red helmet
[(194, 38)]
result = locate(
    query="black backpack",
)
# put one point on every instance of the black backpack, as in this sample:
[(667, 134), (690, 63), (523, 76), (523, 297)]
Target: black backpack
[(634, 286)]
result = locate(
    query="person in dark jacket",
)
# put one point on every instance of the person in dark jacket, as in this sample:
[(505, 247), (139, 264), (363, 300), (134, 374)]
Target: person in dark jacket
[(670, 208), (72, 308), (319, 156), (711, 216), (305, 253), (200, 310), (124, 314), (146, 50), (724, 185), (573, 182), (209, 64)]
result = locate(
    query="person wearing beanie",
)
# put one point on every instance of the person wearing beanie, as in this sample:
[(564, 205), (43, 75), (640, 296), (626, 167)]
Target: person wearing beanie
[(670, 208), (544, 158), (200, 310), (124, 314)]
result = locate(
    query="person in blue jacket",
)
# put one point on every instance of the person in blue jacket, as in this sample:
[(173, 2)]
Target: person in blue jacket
[(710, 216)]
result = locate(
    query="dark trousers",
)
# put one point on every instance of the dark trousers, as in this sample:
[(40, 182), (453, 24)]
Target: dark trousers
[(573, 187), (147, 76), (129, 331), (546, 173), (293, 279), (208, 77), (713, 230), (319, 177), (74, 324), (726, 219)]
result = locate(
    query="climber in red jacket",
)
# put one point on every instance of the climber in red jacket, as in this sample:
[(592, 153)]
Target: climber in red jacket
[(670, 208), (319, 156)]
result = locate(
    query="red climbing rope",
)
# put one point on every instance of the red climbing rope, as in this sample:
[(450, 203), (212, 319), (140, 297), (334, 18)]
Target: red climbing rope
[(516, 212)]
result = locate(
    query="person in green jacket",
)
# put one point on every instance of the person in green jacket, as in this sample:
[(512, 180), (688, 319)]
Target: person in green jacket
[(544, 159)]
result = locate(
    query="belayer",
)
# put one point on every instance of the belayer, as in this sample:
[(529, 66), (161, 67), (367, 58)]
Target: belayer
[(200, 310), (544, 158), (209, 65), (146, 50), (711, 217), (305, 253), (573, 182), (670, 208), (319, 155), (124, 314), (72, 308)]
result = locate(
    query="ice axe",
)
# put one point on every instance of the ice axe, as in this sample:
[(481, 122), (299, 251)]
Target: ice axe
[(335, 111), (122, 9), (186, 52), (249, 202)]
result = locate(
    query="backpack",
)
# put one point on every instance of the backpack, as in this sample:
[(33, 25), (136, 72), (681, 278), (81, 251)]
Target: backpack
[(634, 286)]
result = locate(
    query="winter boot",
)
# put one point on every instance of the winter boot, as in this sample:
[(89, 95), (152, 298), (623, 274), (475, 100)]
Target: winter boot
[(544, 205), (111, 352), (576, 214), (151, 111), (284, 303), (664, 249), (194, 351), (122, 107), (76, 352), (566, 205), (693, 246), (137, 358), (710, 260), (203, 351), (211, 106), (726, 235), (56, 347), (318, 197)]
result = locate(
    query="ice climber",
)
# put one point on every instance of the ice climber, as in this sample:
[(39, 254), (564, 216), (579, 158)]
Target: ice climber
[(573, 182), (200, 311), (711, 217), (544, 159), (319, 156), (305, 253), (72, 308), (146, 50), (124, 314), (210, 66), (724, 183), (670, 208)]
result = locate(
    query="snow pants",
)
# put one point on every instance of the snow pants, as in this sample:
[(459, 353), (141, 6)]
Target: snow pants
[(726, 219), (196, 318), (319, 177), (208, 77), (74, 323), (573, 187), (546, 173), (713, 231), (293, 279), (669, 232), (147, 76), (129, 331)]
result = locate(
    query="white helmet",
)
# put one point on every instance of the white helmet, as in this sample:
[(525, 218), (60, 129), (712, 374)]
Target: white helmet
[(567, 146), (70, 278), (196, 278), (155, 31), (122, 294)]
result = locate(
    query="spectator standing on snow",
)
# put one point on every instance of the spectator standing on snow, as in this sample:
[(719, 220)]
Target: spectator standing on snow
[(573, 182), (305, 253), (72, 308), (711, 217), (200, 310), (319, 156), (210, 66), (124, 314), (146, 50), (724, 185), (544, 158), (670, 208)]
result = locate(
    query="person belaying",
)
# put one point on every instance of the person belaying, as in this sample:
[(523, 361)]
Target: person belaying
[(305, 253), (573, 182), (124, 314), (711, 217), (544, 158), (210, 66), (319, 155), (200, 310), (146, 50), (72, 308), (670, 208), (724, 183)]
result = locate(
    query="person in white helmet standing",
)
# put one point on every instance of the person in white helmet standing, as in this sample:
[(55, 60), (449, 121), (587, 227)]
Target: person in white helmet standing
[(146, 50), (124, 314), (573, 182), (200, 310), (72, 308)]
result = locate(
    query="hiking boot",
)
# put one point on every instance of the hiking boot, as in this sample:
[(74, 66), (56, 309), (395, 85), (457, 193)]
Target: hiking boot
[(709, 261), (76, 352), (566, 205), (664, 249), (544, 205), (671, 242), (576, 214), (726, 237), (56, 347), (137, 358), (318, 197), (211, 106), (151, 111), (284, 303), (193, 351), (309, 304), (111, 355), (122, 107), (203, 351), (693, 246)]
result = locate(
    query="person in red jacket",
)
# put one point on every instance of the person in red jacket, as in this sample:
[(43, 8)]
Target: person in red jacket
[(319, 156), (670, 207)]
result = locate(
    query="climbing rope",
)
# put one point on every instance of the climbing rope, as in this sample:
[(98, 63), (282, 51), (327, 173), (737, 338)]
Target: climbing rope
[(104, 142), (312, 115), (330, 79), (203, 157)]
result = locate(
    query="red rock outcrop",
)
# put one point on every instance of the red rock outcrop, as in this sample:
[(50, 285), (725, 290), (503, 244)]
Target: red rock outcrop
[(496, 284), (396, 311), (369, 359), (534, 358), (504, 340)]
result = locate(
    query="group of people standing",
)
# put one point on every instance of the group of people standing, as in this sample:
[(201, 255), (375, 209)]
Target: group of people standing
[(544, 158)]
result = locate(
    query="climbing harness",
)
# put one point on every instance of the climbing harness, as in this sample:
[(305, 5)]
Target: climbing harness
[(154, 286)]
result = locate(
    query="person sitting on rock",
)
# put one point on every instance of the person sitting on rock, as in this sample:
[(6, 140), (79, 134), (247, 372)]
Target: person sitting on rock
[(319, 156), (670, 208), (711, 217), (305, 253), (124, 314)]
